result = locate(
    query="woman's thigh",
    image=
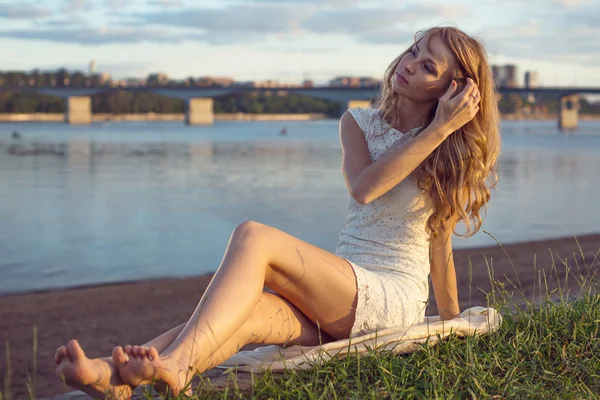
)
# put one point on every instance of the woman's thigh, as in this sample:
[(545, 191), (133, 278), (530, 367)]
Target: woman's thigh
[(319, 283)]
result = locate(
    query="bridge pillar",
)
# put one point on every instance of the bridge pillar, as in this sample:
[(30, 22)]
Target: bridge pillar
[(199, 111), (78, 110), (354, 104), (568, 112)]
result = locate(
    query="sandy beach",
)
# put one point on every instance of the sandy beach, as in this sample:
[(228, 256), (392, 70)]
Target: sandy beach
[(132, 313)]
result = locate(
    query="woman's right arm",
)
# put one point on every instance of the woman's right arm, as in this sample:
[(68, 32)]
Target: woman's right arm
[(355, 153), (368, 180)]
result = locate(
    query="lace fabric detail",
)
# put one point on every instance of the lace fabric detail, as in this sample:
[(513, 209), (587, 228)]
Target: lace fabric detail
[(385, 241)]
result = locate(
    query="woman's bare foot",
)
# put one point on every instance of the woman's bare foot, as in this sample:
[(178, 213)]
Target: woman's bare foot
[(98, 377), (139, 365)]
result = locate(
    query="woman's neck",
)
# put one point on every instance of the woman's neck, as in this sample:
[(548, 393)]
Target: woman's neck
[(412, 114)]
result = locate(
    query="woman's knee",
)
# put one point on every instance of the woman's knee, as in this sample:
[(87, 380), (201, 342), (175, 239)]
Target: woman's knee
[(250, 232)]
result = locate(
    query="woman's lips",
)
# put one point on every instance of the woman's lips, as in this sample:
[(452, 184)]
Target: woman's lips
[(401, 78)]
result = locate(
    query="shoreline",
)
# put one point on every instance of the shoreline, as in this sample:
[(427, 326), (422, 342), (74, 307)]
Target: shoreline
[(84, 286), (102, 316), (150, 117)]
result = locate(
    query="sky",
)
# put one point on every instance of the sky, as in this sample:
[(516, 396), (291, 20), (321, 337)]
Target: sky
[(292, 40)]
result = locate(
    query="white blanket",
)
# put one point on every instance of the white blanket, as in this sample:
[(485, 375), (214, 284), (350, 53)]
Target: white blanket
[(474, 320)]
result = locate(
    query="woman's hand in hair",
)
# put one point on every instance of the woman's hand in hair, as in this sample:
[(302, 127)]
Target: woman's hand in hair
[(454, 112)]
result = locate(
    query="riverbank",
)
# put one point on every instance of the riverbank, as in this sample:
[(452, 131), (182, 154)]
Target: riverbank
[(42, 117), (104, 316)]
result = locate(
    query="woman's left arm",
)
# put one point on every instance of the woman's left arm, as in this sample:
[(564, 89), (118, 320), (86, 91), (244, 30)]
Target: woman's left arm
[(443, 275)]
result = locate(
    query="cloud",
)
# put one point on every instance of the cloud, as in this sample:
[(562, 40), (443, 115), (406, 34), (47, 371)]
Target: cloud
[(23, 11), (72, 6), (571, 3), (322, 3), (567, 28), (99, 36), (587, 15), (352, 21), (560, 34), (259, 18), (117, 4), (379, 25), (533, 40), (242, 21), (166, 3), (230, 38), (386, 35), (64, 22), (296, 49)]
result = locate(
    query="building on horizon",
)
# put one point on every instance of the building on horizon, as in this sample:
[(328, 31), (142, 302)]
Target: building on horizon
[(269, 83), (353, 81), (135, 81), (127, 82), (505, 75), (531, 79), (215, 81), (104, 78), (159, 78), (92, 67)]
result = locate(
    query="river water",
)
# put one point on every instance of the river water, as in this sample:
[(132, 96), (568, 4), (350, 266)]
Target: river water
[(123, 201)]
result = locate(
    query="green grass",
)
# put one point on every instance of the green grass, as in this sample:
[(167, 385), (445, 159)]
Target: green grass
[(546, 348), (550, 351)]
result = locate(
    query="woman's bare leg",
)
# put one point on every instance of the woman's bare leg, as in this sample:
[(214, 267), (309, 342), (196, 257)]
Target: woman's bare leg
[(272, 310), (319, 284), (98, 377)]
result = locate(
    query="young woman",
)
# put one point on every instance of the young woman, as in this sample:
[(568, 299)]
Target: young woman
[(415, 165)]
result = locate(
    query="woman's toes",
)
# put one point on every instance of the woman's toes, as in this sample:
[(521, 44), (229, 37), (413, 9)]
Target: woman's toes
[(152, 353), (135, 350), (127, 350), (74, 350), (119, 357), (60, 354)]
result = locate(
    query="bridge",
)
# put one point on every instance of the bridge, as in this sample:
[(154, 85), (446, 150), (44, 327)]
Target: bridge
[(199, 100)]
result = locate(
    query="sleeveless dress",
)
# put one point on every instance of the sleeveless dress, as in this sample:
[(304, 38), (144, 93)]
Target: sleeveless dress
[(385, 241)]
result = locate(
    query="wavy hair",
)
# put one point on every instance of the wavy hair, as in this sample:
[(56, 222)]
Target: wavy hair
[(458, 174)]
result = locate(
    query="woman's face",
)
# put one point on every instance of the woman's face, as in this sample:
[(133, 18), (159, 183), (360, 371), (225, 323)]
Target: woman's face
[(425, 72)]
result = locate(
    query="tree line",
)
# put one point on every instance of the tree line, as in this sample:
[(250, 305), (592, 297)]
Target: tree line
[(264, 102), (252, 103), (134, 103), (140, 102)]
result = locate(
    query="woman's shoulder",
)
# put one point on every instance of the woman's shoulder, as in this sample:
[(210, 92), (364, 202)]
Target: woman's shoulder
[(365, 117), (364, 111)]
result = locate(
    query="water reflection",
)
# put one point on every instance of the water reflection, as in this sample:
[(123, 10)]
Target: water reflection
[(79, 210)]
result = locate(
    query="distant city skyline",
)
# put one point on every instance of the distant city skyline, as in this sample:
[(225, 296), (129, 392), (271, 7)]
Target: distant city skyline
[(505, 76), (292, 40)]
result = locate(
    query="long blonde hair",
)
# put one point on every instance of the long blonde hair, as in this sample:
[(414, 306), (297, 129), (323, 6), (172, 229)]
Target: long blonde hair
[(459, 174)]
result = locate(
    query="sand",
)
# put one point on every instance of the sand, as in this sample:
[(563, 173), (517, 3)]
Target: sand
[(132, 313)]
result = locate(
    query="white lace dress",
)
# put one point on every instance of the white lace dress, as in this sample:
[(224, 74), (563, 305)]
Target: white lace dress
[(386, 243)]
